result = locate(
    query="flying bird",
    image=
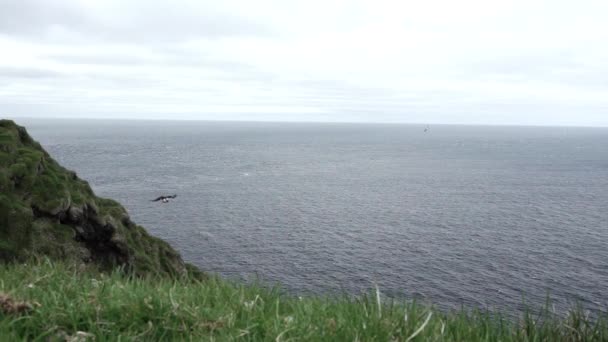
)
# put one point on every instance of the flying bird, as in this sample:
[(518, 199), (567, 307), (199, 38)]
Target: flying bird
[(163, 199)]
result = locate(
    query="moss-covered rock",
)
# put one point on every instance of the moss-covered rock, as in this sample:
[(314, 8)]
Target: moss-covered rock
[(46, 210)]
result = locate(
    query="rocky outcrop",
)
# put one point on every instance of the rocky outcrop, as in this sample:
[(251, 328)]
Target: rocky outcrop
[(46, 210)]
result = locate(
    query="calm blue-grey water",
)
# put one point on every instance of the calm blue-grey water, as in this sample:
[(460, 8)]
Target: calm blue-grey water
[(473, 216)]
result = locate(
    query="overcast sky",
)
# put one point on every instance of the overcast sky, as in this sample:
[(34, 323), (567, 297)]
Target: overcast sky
[(468, 61)]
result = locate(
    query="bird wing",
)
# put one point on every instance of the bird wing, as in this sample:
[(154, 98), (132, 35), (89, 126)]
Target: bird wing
[(158, 199)]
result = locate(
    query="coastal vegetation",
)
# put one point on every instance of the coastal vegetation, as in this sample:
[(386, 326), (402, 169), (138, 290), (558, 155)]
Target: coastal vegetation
[(46, 210), (74, 267), (65, 302)]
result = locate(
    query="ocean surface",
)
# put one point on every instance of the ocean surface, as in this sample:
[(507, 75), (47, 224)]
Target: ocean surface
[(480, 217)]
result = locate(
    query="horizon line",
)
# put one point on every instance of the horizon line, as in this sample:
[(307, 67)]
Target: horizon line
[(14, 118)]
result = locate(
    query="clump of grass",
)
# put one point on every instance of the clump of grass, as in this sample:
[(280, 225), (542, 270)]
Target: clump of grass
[(75, 301), (10, 306)]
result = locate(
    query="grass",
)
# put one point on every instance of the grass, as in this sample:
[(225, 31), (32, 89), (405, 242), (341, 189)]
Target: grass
[(66, 302)]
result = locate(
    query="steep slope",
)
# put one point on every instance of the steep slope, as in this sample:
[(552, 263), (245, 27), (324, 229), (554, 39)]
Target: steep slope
[(46, 210)]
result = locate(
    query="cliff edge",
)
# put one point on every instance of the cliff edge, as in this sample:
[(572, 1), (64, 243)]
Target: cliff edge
[(46, 210)]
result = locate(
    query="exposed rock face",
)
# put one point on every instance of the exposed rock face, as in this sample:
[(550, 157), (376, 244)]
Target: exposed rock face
[(47, 210)]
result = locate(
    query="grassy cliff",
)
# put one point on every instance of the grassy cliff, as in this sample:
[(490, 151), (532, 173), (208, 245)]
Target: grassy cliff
[(46, 301), (46, 210)]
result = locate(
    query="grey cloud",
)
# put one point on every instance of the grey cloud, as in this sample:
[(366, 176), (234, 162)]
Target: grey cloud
[(336, 86), (557, 67), (145, 21), (169, 58), (179, 56), (25, 17), (170, 21), (153, 58), (339, 91), (528, 63), (95, 59), (11, 72)]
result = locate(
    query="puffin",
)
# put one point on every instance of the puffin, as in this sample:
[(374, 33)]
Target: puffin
[(164, 199)]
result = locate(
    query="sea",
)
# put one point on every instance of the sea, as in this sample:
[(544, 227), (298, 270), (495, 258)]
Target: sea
[(476, 217)]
